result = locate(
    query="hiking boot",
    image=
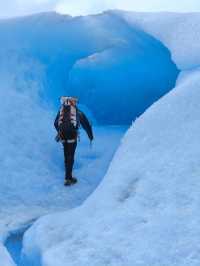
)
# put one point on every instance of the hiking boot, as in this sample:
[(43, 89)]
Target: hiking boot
[(70, 181), (67, 182), (73, 180)]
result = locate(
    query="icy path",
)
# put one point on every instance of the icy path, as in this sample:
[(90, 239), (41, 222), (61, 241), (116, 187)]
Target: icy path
[(90, 167)]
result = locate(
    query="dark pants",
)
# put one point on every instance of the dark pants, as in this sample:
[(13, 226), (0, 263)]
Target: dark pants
[(69, 152)]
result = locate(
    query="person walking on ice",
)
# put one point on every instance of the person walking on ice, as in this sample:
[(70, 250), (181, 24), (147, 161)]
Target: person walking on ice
[(67, 123)]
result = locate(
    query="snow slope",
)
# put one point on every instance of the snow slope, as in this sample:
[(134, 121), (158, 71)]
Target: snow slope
[(146, 210)]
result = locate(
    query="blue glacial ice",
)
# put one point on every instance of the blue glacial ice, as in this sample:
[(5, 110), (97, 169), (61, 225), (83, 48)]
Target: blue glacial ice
[(116, 70)]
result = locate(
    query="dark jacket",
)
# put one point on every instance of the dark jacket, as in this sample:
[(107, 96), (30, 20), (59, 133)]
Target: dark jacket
[(83, 121)]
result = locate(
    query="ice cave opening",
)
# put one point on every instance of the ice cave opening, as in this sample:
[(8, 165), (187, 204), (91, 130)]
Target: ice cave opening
[(114, 69), (117, 72)]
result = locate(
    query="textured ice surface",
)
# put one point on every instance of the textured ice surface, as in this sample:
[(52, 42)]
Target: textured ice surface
[(146, 210), (101, 59), (119, 83), (179, 32), (5, 258)]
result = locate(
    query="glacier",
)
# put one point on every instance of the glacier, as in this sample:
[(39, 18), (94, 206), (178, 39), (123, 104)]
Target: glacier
[(107, 59), (145, 211)]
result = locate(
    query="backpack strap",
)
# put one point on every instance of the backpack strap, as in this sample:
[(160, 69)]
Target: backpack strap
[(61, 116)]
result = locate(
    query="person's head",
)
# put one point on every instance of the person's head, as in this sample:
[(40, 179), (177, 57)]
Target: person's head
[(66, 100)]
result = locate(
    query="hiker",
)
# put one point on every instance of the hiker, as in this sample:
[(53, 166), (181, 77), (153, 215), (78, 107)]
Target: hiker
[(67, 123)]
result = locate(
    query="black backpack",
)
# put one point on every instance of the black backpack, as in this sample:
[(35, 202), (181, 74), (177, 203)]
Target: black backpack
[(67, 129)]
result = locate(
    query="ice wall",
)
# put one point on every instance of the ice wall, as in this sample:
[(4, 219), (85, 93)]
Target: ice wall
[(27, 146), (177, 32), (119, 83), (5, 258), (101, 59), (146, 210)]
